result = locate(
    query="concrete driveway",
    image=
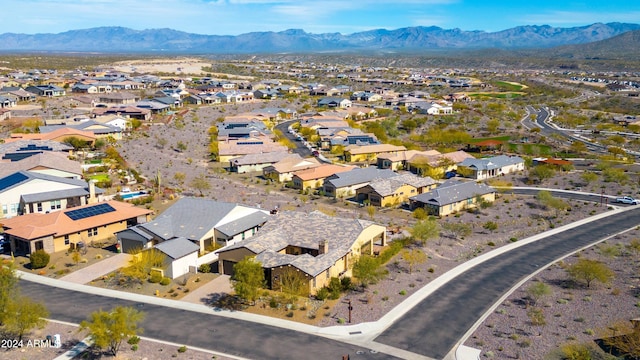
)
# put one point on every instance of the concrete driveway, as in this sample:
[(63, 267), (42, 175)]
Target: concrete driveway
[(98, 269), (207, 293)]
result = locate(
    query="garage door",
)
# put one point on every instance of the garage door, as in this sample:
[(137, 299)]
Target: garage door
[(227, 267), (129, 245)]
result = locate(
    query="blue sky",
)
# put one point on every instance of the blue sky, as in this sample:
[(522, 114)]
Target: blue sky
[(232, 17)]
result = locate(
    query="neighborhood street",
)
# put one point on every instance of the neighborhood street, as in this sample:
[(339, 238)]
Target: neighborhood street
[(435, 326)]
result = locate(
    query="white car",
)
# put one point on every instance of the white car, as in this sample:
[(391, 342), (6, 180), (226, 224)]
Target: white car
[(627, 200)]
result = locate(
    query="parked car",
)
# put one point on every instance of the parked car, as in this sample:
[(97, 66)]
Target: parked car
[(627, 200)]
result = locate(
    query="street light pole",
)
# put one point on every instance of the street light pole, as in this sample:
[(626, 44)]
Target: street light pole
[(350, 308)]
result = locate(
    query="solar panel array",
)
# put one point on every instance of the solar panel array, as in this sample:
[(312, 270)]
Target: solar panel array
[(89, 211), (11, 180)]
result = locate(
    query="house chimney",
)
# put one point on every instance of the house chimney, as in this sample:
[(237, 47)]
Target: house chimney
[(323, 247), (92, 192)]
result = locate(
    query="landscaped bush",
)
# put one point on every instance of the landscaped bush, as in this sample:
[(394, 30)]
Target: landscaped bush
[(165, 281), (182, 349), (204, 268), (155, 277), (39, 259), (322, 294)]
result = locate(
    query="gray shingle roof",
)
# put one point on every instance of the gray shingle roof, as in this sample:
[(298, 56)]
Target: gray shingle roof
[(240, 225), (358, 176), (177, 248), (262, 158), (191, 218), (386, 187), (306, 231), (495, 162), (56, 195), (453, 191)]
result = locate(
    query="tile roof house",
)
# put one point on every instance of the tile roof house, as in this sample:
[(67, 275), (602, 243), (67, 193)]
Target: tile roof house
[(345, 184), (231, 148), (99, 130), (21, 149), (335, 102), (58, 230), (206, 223), (25, 192), (486, 168), (453, 196), (316, 245), (437, 165), (366, 153), (400, 160), (47, 90), (256, 162), (283, 170), (46, 162), (314, 178), (59, 135), (395, 190)]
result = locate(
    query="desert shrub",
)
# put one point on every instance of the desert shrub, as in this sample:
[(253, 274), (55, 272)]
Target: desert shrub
[(403, 292), (290, 314), (165, 281), (182, 349), (273, 302), (133, 340), (322, 294), (204, 268), (134, 347), (39, 259), (155, 277), (346, 283)]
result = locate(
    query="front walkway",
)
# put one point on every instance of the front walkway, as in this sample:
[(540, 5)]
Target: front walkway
[(101, 268), (210, 291)]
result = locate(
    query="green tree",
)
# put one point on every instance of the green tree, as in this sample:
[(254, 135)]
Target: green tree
[(589, 177), (414, 257), (590, 270), (294, 282), (420, 213), (8, 288), (25, 315), (200, 183), (576, 351), (615, 151), (108, 330), (578, 147), (367, 270), (457, 229), (540, 173), (76, 256), (39, 259), (550, 202), (75, 142), (625, 338), (424, 230), (247, 279), (142, 263), (537, 291)]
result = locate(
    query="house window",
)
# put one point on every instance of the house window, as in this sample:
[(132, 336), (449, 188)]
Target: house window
[(5, 209), (92, 232), (242, 236), (56, 204), (14, 208), (328, 273), (66, 240), (39, 207)]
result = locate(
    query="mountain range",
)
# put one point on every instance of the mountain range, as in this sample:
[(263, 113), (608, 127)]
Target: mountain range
[(409, 39)]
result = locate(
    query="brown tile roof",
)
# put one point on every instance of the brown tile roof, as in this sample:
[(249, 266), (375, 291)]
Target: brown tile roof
[(56, 135), (47, 159), (57, 223), (321, 171), (377, 148), (294, 163)]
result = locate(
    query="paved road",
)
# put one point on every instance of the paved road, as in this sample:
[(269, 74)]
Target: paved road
[(605, 199), (222, 334), (434, 327), (300, 148)]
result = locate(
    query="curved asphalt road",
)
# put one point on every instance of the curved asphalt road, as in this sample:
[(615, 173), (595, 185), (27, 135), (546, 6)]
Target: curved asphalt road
[(434, 327), (221, 334)]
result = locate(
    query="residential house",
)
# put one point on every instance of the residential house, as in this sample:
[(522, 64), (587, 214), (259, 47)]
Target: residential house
[(60, 230), (127, 111), (283, 170), (367, 96), (437, 165), (7, 102), (268, 94), (314, 178), (482, 169), (430, 108), (20, 94), (207, 223), (99, 130), (315, 246), (180, 257), (335, 102), (453, 196), (5, 114), (231, 148), (400, 160), (121, 98), (345, 184), (275, 114), (46, 162), (368, 153), (47, 90), (395, 190), (60, 134), (25, 192), (21, 149), (256, 162), (84, 88)]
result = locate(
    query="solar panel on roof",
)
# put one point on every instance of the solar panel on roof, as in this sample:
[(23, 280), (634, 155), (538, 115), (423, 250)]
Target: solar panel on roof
[(89, 211), (11, 180)]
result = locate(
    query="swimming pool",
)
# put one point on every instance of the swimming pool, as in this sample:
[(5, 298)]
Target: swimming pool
[(132, 195)]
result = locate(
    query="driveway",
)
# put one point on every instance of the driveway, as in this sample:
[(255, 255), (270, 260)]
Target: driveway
[(98, 269), (207, 293)]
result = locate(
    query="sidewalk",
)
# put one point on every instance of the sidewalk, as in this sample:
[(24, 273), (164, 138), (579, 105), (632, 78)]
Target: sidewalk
[(101, 268)]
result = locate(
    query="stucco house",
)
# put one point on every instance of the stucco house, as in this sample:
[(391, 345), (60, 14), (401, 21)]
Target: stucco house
[(60, 230), (345, 184), (486, 168), (335, 102), (395, 190), (315, 245), (368, 153), (25, 192), (314, 178), (283, 170), (180, 257), (256, 162), (453, 196), (206, 223)]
